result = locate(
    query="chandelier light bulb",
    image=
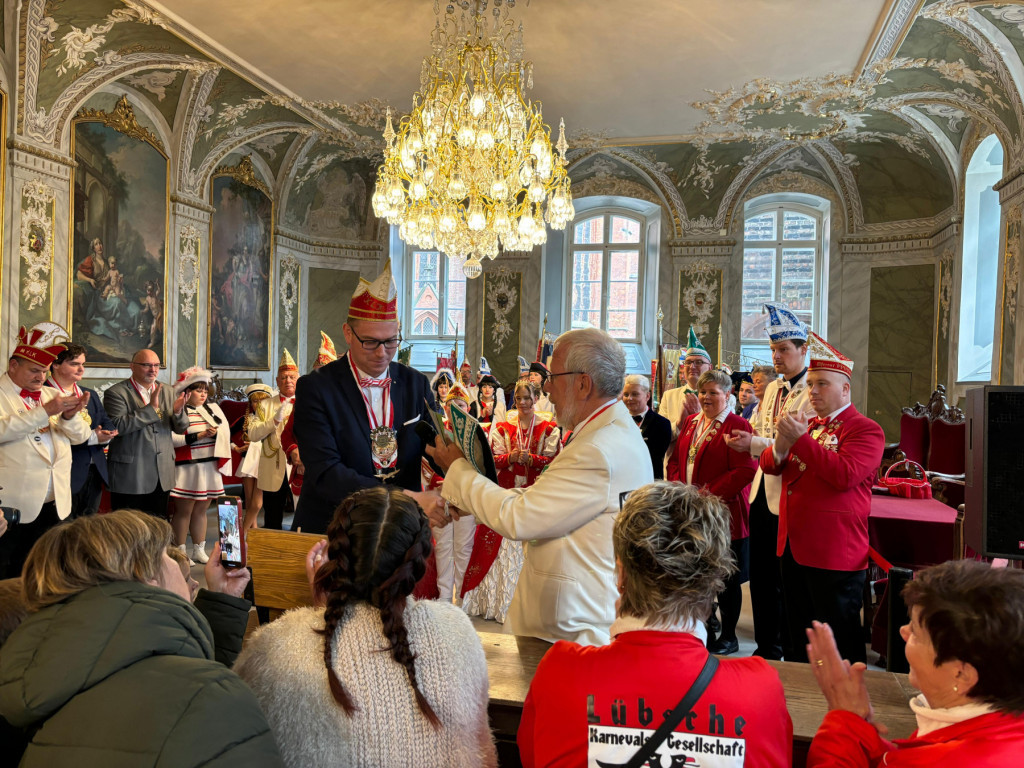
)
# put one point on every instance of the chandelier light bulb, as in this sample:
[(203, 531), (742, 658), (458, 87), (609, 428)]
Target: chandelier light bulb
[(472, 268)]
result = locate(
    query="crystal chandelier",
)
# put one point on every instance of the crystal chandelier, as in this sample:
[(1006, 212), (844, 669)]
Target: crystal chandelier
[(471, 170)]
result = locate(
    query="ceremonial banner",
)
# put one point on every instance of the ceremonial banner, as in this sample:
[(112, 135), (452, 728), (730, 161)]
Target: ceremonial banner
[(700, 304), (668, 371), (503, 296)]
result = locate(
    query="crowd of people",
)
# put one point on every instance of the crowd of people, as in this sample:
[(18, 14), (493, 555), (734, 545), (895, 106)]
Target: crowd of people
[(609, 530)]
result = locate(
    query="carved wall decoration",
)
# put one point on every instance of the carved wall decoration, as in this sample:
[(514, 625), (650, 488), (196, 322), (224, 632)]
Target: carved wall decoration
[(122, 119), (289, 290), (188, 268), (245, 173), (945, 289), (502, 321), (38, 204), (502, 297), (700, 294), (1011, 264)]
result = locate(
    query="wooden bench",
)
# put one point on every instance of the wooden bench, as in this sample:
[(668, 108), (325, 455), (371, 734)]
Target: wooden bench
[(512, 661), (278, 563)]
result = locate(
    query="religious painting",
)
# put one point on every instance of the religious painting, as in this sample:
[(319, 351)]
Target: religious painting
[(119, 238), (241, 244)]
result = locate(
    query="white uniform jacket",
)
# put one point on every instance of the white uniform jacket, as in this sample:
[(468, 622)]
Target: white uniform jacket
[(26, 467), (567, 588), (764, 431), (273, 462)]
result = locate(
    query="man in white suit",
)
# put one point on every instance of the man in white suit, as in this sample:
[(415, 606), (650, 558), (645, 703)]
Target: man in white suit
[(38, 426), (567, 588)]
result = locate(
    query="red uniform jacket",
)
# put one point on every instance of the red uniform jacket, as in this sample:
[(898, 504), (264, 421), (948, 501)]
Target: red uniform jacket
[(826, 492), (846, 740), (595, 700), (718, 468)]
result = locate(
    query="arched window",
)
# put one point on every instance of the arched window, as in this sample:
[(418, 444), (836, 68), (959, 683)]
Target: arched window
[(438, 306), (783, 243), (980, 263), (605, 259)]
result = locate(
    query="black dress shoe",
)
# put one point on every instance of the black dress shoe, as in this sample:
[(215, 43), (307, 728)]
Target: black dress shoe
[(723, 647)]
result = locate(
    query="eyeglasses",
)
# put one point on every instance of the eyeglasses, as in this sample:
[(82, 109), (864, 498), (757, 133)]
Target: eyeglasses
[(154, 366), (697, 363), (370, 345), (563, 373)]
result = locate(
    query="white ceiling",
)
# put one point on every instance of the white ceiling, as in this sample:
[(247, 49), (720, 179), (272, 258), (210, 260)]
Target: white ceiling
[(627, 68)]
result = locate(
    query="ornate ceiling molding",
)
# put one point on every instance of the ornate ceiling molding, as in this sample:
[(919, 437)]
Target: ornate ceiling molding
[(846, 184), (196, 111), (659, 181), (197, 179), (754, 166), (894, 31), (244, 173)]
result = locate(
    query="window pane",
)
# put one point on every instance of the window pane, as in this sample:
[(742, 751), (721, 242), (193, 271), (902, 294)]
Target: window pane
[(426, 303), (586, 289), (798, 281), (589, 231), (798, 226), (625, 230), (624, 269), (456, 295), (761, 227), (758, 287)]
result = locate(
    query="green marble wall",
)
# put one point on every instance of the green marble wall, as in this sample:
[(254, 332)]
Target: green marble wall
[(187, 346), (329, 292), (900, 339)]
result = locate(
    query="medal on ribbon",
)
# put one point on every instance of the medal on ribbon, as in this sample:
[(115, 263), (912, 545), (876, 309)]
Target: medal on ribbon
[(383, 436)]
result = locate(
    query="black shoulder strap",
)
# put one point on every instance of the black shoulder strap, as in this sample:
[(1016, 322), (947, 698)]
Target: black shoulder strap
[(676, 716)]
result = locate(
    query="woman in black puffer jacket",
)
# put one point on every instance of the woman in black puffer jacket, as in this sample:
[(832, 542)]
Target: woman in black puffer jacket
[(114, 665)]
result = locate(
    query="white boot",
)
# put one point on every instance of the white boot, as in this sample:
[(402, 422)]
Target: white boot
[(185, 550), (199, 552)]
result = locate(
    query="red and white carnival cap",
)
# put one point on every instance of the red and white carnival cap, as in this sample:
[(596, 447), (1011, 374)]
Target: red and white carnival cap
[(376, 301), (825, 357), (191, 376), (41, 343)]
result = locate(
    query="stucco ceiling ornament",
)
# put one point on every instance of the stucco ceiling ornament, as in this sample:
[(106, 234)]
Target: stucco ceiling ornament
[(954, 117), (502, 298), (38, 202), (82, 47), (1013, 14), (156, 83), (188, 268), (945, 288), (701, 294), (289, 290)]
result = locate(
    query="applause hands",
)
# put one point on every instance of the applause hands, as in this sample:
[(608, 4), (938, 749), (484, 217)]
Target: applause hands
[(788, 430), (66, 406), (841, 682)]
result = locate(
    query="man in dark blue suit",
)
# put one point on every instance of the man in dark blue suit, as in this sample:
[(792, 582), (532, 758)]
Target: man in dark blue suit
[(355, 418), (88, 462), (656, 430)]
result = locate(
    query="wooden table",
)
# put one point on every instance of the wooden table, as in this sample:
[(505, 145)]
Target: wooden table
[(512, 661)]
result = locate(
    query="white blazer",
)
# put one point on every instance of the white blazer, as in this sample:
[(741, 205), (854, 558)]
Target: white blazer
[(567, 588), (764, 434), (25, 464), (273, 462)]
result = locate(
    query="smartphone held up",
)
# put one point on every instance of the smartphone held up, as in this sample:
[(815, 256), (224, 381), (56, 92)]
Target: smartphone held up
[(232, 534)]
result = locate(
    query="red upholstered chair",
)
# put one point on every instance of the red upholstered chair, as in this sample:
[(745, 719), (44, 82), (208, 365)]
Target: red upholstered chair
[(234, 410), (947, 448), (914, 437)]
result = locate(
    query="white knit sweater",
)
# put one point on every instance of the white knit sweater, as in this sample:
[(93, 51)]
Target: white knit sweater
[(283, 663)]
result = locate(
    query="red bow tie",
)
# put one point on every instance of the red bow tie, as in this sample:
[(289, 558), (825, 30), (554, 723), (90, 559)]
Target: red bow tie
[(26, 395), (816, 422)]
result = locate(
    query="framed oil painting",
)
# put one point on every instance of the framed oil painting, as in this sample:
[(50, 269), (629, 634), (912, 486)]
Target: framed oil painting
[(241, 269), (118, 238)]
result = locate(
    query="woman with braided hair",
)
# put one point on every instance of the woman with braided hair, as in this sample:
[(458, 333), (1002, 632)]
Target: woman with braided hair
[(406, 680)]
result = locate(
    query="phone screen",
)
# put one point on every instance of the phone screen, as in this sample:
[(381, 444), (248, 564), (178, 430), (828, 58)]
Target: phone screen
[(231, 554)]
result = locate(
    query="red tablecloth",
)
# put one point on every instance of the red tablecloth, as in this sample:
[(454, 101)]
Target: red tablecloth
[(911, 533)]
